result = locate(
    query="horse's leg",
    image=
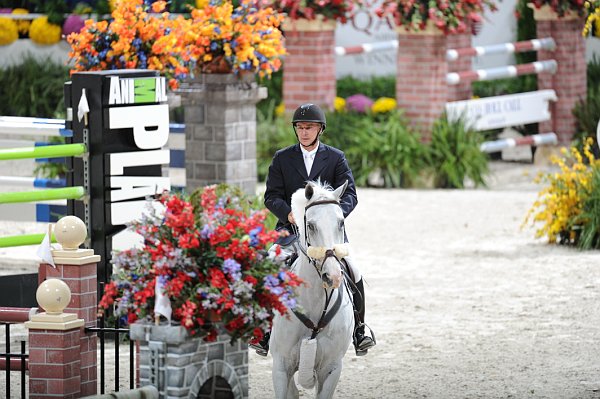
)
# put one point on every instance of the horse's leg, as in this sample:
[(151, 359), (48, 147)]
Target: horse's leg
[(328, 380), (282, 380)]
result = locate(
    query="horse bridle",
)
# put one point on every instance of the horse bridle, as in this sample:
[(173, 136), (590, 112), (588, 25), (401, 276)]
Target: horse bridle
[(326, 317)]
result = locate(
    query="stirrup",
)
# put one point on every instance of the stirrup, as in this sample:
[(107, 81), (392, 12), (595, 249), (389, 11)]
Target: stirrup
[(366, 342), (259, 349)]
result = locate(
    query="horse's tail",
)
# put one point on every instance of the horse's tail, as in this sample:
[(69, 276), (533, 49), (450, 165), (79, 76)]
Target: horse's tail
[(306, 367)]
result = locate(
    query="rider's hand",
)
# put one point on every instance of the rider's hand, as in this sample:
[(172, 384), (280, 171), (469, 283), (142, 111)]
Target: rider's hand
[(291, 218)]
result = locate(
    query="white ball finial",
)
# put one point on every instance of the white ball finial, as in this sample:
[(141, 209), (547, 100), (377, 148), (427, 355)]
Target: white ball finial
[(70, 232), (53, 295)]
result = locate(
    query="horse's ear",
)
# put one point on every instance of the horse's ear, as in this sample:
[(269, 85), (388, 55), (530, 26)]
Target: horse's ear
[(341, 189), (309, 191)]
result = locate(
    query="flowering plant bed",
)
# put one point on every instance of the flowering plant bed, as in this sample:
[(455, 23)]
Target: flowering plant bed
[(337, 10), (208, 257)]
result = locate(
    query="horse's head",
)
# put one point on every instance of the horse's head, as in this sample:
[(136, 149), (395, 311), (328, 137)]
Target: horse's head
[(320, 220)]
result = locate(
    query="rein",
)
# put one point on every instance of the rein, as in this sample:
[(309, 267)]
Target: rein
[(326, 316)]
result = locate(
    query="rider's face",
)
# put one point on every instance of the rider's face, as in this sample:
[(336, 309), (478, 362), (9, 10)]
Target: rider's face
[(307, 133)]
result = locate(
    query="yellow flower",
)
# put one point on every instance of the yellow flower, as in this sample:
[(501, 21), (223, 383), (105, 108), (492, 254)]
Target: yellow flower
[(22, 24), (280, 109), (43, 32), (200, 4), (8, 31), (383, 105), (339, 104)]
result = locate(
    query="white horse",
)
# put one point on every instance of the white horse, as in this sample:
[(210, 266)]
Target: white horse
[(313, 339)]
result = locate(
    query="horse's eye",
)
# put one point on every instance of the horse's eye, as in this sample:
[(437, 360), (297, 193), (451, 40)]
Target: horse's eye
[(311, 227)]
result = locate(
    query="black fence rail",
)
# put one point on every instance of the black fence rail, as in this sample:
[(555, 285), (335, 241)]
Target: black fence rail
[(113, 334), (10, 362)]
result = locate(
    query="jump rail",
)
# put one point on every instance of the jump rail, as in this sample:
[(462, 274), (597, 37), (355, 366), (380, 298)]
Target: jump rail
[(546, 43), (509, 71), (533, 140)]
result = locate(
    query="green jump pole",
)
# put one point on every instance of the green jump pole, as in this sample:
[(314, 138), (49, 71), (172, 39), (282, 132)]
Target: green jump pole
[(25, 239), (72, 193), (49, 151)]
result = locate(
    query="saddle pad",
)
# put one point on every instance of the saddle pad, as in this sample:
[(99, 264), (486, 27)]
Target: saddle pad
[(306, 368)]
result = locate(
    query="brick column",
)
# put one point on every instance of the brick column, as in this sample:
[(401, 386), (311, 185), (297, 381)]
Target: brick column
[(461, 91), (54, 345), (220, 130), (570, 80), (309, 66), (421, 88), (78, 269)]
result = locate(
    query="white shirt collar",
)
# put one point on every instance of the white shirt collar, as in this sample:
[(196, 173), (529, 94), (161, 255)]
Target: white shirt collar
[(309, 153)]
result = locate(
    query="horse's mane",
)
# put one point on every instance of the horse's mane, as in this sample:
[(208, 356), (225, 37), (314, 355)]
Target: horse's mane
[(321, 191)]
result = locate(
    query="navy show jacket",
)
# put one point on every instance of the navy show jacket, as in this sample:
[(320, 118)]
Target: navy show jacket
[(287, 174)]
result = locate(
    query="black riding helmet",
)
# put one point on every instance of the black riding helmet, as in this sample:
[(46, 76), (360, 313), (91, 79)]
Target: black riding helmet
[(309, 113)]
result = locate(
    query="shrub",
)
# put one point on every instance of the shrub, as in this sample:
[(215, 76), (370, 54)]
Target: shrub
[(377, 86), (272, 134), (589, 218), (455, 154)]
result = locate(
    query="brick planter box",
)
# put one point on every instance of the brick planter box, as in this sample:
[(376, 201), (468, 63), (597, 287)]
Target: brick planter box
[(182, 366)]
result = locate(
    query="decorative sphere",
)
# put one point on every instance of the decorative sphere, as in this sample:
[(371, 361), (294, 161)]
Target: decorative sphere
[(53, 295), (70, 232)]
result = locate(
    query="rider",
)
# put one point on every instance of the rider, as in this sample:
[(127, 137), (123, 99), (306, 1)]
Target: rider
[(290, 169)]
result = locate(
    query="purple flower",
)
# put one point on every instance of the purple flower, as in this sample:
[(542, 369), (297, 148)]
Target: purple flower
[(73, 23), (359, 103), (232, 268)]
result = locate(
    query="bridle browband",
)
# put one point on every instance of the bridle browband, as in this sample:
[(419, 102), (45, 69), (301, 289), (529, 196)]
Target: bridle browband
[(326, 317)]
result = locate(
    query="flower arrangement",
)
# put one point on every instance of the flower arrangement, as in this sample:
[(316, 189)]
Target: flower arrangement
[(449, 16), (561, 7), (560, 204), (592, 21), (218, 38), (337, 10), (207, 256), (228, 39), (132, 39), (8, 31), (363, 104)]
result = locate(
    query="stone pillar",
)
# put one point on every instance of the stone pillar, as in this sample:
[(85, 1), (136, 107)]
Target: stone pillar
[(220, 130), (309, 66), (461, 91), (78, 269), (54, 345), (421, 88), (570, 80), (181, 366)]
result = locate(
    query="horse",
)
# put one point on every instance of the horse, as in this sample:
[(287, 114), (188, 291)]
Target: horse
[(313, 338)]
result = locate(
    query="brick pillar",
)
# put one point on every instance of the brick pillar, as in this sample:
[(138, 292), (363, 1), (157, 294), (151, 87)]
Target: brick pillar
[(309, 66), (421, 88), (570, 80), (220, 130), (54, 345), (461, 91), (78, 270)]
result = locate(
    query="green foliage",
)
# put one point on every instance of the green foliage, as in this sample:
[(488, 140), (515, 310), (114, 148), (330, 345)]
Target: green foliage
[(272, 134), (587, 114), (589, 218), (35, 88), (455, 154), (519, 84), (526, 30), (375, 87), (593, 73), (55, 9), (274, 87), (384, 145)]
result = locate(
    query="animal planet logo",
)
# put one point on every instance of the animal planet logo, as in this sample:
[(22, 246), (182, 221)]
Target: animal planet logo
[(134, 106)]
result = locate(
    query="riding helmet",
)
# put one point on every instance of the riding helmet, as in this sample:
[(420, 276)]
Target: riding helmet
[(309, 113)]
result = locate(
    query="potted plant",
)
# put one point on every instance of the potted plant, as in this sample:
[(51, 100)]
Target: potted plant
[(205, 259), (447, 16)]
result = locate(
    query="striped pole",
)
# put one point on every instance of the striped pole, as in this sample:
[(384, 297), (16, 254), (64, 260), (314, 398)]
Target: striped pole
[(33, 126), (509, 71), (546, 43), (51, 151), (367, 48), (25, 239), (73, 193), (32, 182), (533, 140)]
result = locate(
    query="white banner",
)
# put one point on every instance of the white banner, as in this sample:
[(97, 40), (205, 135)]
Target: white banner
[(503, 111)]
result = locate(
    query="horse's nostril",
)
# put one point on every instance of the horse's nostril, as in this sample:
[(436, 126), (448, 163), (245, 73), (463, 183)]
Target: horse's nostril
[(326, 279)]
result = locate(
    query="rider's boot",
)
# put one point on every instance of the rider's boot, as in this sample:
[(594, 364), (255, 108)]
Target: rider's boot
[(262, 346), (362, 342)]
